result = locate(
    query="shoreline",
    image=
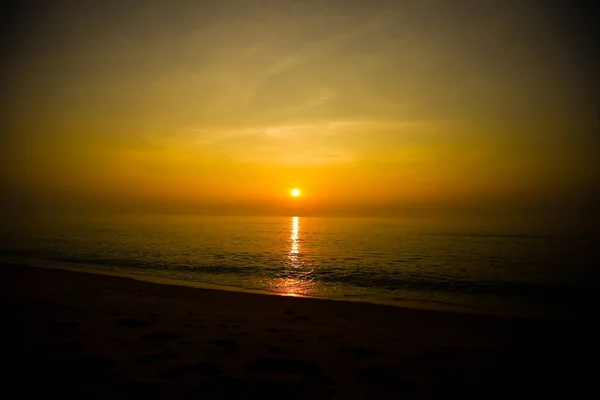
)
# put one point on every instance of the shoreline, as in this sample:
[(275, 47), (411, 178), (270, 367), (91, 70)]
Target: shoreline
[(403, 304), (100, 336)]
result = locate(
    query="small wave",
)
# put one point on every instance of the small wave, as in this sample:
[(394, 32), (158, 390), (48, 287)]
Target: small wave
[(365, 279), (489, 235)]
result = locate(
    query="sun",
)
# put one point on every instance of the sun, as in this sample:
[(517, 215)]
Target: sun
[(295, 192)]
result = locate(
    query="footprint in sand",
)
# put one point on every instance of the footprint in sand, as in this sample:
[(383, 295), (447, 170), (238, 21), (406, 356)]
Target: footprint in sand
[(330, 336), (198, 368), (275, 365), (385, 375), (132, 323), (156, 357), (377, 373), (161, 336), (275, 349), (227, 344), (237, 334), (360, 353)]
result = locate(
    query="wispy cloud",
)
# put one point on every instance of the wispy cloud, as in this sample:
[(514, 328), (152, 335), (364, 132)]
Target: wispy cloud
[(327, 142), (322, 97)]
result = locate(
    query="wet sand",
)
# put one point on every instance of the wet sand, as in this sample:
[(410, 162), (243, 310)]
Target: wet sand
[(83, 335)]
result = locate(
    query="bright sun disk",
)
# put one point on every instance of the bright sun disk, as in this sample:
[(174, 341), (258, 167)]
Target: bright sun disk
[(295, 192)]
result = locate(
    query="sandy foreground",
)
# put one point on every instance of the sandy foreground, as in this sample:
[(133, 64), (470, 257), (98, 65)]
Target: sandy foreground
[(85, 336)]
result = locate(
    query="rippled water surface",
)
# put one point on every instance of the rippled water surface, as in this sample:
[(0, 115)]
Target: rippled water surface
[(379, 260)]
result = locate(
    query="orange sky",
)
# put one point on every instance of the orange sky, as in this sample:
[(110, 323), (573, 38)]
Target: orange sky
[(371, 108)]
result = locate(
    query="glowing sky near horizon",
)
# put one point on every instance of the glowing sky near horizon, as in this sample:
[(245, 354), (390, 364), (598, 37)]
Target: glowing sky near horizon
[(366, 106)]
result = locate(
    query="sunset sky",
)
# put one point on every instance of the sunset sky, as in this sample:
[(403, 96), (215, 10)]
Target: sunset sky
[(369, 107)]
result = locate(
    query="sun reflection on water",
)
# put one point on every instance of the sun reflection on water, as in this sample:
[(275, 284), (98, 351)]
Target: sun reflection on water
[(295, 245), (296, 279)]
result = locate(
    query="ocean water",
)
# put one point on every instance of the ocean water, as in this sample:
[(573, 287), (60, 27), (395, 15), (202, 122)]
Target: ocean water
[(424, 263)]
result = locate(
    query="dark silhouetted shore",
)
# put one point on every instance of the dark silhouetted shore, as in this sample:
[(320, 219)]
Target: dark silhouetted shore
[(92, 336)]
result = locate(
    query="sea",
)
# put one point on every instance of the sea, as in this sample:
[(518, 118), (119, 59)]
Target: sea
[(464, 266)]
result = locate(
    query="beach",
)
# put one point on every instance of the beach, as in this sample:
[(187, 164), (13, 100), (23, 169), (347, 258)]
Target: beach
[(83, 335)]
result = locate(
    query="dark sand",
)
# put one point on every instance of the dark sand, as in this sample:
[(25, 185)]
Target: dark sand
[(91, 336)]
